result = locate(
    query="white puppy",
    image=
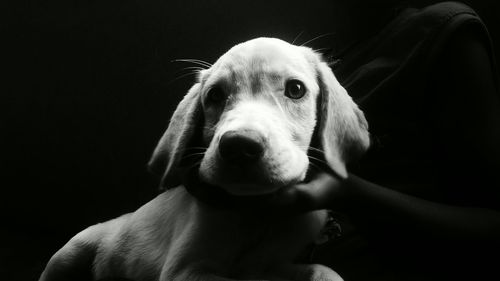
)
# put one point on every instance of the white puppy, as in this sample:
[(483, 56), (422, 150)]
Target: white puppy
[(256, 112)]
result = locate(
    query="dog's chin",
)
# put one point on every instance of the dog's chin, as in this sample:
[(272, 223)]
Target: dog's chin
[(251, 184), (230, 196), (249, 189)]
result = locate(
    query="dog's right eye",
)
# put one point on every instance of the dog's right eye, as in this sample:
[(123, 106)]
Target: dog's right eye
[(216, 94), (295, 89)]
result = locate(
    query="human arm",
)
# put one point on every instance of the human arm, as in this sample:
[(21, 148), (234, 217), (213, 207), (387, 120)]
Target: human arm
[(463, 221), (466, 128)]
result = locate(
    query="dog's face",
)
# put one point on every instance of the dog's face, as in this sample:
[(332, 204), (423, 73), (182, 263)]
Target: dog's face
[(255, 112), (259, 107)]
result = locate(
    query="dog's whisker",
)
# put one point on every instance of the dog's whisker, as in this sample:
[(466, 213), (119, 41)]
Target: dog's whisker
[(200, 61), (209, 166), (189, 151), (191, 155), (297, 37), (197, 68), (317, 160), (310, 148), (315, 149), (195, 61), (194, 164), (316, 38), (183, 75), (314, 166), (320, 50), (192, 61), (190, 72)]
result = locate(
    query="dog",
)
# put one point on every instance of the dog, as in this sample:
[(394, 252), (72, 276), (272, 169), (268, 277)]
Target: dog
[(255, 113)]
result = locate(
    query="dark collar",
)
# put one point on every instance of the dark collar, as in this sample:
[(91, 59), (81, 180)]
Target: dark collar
[(219, 198)]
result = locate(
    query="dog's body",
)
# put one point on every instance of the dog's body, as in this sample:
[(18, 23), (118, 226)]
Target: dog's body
[(173, 237), (254, 111)]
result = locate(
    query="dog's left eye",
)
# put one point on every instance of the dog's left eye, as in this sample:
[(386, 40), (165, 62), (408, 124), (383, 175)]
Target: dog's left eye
[(295, 89), (216, 94)]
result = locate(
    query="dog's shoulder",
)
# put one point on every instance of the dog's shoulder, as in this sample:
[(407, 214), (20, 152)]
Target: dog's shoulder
[(141, 237), (76, 258)]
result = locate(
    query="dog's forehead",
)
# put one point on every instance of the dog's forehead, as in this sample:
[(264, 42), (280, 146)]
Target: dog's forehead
[(273, 54), (269, 56)]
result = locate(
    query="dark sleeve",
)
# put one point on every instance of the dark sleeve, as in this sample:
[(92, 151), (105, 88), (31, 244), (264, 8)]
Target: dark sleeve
[(464, 88)]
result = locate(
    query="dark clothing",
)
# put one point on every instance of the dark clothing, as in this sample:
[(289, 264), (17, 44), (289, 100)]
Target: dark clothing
[(427, 84), (395, 78)]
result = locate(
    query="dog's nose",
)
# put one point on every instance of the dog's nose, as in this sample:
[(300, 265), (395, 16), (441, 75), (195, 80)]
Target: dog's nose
[(241, 146)]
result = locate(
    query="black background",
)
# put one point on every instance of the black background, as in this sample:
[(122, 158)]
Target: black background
[(88, 89)]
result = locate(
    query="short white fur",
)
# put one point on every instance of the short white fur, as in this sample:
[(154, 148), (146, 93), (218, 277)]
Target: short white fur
[(174, 236)]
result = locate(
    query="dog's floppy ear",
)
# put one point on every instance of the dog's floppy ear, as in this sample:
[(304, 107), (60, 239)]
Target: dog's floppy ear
[(343, 129), (171, 148)]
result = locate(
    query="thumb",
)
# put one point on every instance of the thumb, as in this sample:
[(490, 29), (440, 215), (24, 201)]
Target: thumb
[(320, 192)]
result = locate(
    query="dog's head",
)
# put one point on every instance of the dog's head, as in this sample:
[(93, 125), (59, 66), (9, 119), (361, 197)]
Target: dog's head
[(254, 113)]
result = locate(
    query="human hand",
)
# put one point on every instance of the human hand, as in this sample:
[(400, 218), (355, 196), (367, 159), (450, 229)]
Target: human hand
[(325, 191)]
